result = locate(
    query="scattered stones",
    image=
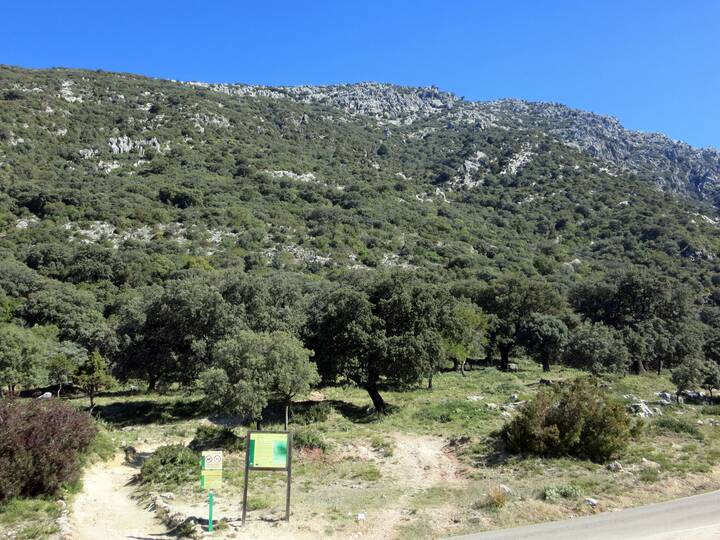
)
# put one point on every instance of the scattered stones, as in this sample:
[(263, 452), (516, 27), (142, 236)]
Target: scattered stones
[(642, 410), (475, 398), (492, 406), (690, 396), (505, 489), (700, 423), (168, 496), (360, 517), (648, 464)]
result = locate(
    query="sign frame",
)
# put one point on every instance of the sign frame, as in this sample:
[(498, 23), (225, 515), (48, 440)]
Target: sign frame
[(288, 468)]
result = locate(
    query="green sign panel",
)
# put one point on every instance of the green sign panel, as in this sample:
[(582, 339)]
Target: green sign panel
[(268, 450)]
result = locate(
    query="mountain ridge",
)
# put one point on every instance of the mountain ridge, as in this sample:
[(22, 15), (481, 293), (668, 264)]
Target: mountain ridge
[(350, 176)]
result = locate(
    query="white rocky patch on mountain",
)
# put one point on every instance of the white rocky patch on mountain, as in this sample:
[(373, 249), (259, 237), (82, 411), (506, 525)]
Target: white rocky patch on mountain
[(519, 160), (125, 145), (108, 166), (466, 176), (203, 120)]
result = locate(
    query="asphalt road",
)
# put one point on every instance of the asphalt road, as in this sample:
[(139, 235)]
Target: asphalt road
[(696, 518)]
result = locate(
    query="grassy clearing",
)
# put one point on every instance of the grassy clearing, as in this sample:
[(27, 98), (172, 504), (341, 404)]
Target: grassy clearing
[(349, 461)]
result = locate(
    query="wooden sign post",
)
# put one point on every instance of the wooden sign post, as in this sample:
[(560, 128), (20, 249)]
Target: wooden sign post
[(268, 451)]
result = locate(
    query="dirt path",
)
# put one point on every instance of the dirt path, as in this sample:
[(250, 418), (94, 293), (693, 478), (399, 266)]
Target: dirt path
[(105, 509), (418, 463)]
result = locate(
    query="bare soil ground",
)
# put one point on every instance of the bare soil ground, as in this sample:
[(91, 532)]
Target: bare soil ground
[(105, 508)]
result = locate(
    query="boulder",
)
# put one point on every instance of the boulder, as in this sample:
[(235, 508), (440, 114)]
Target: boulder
[(592, 502), (648, 464), (690, 396), (642, 410), (614, 466), (46, 395)]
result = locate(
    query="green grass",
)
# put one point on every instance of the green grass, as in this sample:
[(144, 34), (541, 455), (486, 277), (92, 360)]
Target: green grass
[(334, 486), (29, 518), (677, 425)]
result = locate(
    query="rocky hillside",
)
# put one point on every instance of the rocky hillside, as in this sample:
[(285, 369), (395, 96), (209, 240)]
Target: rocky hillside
[(674, 165), (335, 179)]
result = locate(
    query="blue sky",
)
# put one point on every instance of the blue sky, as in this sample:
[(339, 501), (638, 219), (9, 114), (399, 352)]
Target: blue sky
[(655, 65)]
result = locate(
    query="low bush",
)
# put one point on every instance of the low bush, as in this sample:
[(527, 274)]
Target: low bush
[(577, 420), (216, 438), (170, 466), (554, 493), (309, 438), (677, 425), (496, 498), (315, 414), (41, 446)]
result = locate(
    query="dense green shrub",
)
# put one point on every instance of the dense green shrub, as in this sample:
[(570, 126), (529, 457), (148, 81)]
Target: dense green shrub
[(315, 414), (576, 420), (170, 466), (41, 443), (216, 438), (309, 438)]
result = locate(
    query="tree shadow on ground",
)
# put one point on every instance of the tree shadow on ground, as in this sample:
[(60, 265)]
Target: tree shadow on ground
[(123, 413)]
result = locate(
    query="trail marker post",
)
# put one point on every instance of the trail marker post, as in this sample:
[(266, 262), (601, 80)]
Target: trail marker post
[(211, 469), (268, 451)]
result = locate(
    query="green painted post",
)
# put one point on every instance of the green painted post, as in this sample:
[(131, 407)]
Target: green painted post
[(210, 521)]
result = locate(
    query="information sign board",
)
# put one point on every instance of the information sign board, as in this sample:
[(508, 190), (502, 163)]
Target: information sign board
[(268, 450)]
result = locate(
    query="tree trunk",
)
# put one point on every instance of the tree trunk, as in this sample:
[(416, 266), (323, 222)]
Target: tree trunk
[(545, 363), (638, 367), (462, 367), (257, 425), (59, 389), (659, 365), (287, 415), (504, 357), (430, 381), (378, 401), (489, 360)]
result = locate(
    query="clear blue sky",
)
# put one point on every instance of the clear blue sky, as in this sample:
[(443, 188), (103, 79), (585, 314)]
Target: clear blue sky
[(653, 64)]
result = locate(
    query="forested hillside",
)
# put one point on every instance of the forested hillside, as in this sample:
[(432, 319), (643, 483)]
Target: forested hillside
[(380, 232)]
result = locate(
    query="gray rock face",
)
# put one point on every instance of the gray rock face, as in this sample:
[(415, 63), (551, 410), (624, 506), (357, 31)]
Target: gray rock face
[(686, 170)]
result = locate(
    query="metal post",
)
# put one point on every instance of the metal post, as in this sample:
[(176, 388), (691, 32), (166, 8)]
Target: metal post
[(289, 476), (247, 467), (210, 518)]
